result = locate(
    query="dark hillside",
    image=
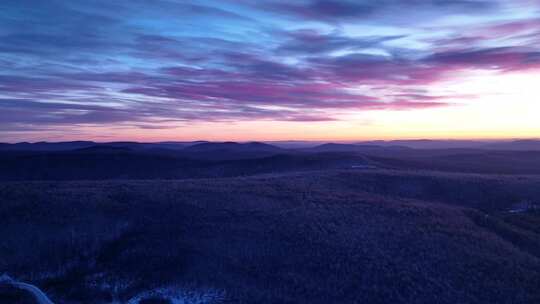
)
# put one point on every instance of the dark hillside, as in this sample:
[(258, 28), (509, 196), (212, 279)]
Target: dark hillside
[(467, 161), (232, 146), (328, 237), (106, 162)]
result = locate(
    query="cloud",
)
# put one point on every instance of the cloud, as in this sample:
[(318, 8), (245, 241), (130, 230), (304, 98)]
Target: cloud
[(503, 58), (311, 42), (34, 112), (360, 10), (146, 64)]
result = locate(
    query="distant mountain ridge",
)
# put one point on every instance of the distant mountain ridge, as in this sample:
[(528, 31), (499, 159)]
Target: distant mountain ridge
[(232, 146), (337, 147), (524, 144), (47, 146), (512, 145), (193, 146), (75, 145), (277, 147), (427, 143)]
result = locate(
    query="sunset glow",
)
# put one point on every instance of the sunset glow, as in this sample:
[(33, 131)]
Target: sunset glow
[(269, 70)]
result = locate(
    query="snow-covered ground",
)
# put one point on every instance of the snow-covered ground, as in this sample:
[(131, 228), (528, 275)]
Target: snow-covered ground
[(524, 206), (39, 296), (180, 295), (175, 294)]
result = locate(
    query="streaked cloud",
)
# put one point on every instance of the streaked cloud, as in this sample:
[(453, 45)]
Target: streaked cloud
[(148, 63)]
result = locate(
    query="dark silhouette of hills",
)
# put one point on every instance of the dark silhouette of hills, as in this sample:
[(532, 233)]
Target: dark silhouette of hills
[(513, 145), (470, 161), (230, 150), (103, 149), (47, 146), (255, 223), (318, 237), (517, 145), (336, 147), (428, 143), (232, 146), (179, 160), (73, 145), (109, 162), (116, 162), (295, 144), (202, 146)]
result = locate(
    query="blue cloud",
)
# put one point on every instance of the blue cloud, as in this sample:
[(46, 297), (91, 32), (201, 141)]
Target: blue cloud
[(139, 62)]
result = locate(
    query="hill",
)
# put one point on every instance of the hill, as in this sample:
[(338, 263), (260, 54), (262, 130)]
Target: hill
[(47, 146), (517, 145), (336, 147), (228, 160), (371, 236), (231, 146), (429, 143), (104, 162)]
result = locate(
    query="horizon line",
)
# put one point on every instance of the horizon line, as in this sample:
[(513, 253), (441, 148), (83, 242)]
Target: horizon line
[(285, 140)]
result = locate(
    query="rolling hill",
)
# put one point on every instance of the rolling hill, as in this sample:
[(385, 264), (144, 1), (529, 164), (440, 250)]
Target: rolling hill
[(370, 236)]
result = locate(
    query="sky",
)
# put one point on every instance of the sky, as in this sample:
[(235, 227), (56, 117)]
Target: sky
[(269, 70)]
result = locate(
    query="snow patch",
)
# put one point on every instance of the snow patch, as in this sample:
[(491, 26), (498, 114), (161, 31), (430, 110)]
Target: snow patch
[(524, 206), (180, 295)]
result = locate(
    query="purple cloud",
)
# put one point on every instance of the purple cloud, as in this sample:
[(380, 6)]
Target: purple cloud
[(310, 42), (347, 10), (505, 59), (139, 63)]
